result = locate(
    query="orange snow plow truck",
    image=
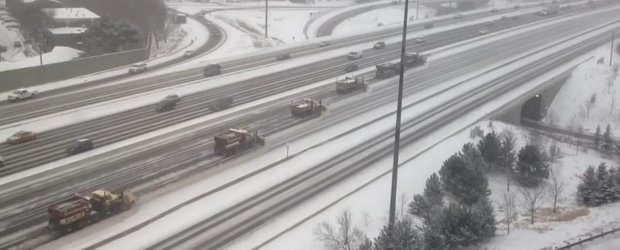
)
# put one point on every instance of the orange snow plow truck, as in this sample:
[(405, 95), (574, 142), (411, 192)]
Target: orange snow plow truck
[(81, 211)]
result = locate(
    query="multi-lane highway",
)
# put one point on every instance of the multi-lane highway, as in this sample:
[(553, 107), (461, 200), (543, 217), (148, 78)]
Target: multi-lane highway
[(230, 223), (50, 146), (82, 95), (26, 206)]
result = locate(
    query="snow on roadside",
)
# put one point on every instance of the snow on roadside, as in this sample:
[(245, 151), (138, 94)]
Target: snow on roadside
[(97, 110), (58, 54), (392, 15), (285, 26), (592, 86), (196, 7), (373, 199), (122, 70), (203, 205)]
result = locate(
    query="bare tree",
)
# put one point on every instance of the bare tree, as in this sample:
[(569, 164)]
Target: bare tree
[(579, 130), (404, 200), (533, 199), (590, 104), (552, 118), (556, 185), (508, 158), (343, 236), (509, 202)]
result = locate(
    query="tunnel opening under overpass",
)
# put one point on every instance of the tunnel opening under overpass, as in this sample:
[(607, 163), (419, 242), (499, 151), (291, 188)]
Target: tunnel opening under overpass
[(534, 106)]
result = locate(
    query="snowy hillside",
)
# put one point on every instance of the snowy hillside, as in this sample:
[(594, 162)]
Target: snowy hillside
[(373, 19), (590, 97)]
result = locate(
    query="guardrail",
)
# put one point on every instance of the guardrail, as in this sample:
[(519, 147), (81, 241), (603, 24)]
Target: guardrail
[(589, 239)]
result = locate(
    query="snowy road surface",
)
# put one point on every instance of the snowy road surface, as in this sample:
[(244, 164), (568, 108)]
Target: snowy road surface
[(482, 113)]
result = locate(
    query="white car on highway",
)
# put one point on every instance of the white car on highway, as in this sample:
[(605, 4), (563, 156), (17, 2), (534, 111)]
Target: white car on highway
[(137, 68), (21, 94)]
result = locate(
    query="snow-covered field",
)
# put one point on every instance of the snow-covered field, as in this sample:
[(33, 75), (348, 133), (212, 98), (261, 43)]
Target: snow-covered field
[(58, 54), (370, 20), (285, 26), (590, 98), (9, 33)]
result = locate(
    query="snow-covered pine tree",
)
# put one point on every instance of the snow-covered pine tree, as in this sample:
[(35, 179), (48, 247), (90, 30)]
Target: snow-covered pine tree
[(616, 178), (426, 205), (484, 212), (586, 190), (531, 166), (607, 141), (601, 176), (609, 186), (433, 192), (489, 148), (473, 157), (597, 136), (465, 182), (403, 236)]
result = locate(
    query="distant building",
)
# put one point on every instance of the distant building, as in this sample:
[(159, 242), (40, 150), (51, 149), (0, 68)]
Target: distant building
[(67, 36), (70, 17)]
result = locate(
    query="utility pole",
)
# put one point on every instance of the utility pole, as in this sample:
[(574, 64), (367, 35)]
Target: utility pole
[(266, 14), (398, 117)]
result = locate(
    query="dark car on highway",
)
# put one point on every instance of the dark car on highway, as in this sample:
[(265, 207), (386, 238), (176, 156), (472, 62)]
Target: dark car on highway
[(283, 57), (80, 146), (351, 67)]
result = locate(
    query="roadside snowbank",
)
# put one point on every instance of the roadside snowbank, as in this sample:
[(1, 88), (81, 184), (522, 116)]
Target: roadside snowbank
[(392, 15), (58, 54)]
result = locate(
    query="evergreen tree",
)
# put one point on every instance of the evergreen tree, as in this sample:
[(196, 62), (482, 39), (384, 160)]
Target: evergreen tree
[(607, 141), (484, 212), (597, 136), (460, 226), (432, 236), (601, 176), (616, 182), (467, 185), (531, 167), (609, 186), (425, 205), (489, 148), (587, 189), (472, 157), (506, 154), (365, 245), (433, 192), (402, 236)]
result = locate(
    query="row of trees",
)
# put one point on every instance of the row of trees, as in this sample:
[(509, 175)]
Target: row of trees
[(455, 209), (606, 142), (599, 186)]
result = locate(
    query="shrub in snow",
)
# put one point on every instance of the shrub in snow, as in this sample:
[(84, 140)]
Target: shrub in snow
[(531, 166)]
